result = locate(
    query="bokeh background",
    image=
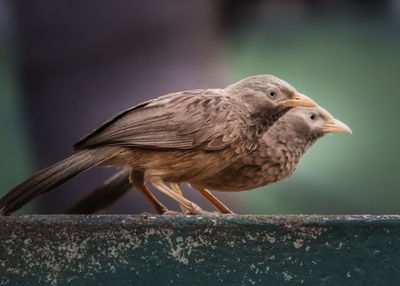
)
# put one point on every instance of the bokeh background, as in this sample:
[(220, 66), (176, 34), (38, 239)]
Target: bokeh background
[(66, 66)]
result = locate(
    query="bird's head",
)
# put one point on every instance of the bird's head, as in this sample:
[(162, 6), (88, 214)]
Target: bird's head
[(315, 121), (269, 92)]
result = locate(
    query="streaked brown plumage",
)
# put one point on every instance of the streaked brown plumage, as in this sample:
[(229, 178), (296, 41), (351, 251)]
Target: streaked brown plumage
[(181, 137), (278, 153), (276, 157)]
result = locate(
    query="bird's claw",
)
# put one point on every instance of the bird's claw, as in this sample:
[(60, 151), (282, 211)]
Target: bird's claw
[(196, 210), (171, 213)]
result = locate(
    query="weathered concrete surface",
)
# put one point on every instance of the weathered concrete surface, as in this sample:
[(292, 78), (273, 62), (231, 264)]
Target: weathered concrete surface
[(190, 250)]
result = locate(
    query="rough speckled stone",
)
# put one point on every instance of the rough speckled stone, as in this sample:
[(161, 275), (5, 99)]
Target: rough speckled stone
[(194, 250)]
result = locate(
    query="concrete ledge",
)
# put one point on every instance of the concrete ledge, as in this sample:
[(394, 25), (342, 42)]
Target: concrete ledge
[(190, 250)]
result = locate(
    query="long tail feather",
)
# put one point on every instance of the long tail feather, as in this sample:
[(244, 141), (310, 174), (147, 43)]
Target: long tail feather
[(53, 176), (105, 195)]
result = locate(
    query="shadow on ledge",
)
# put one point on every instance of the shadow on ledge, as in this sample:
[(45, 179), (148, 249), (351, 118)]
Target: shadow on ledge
[(198, 250)]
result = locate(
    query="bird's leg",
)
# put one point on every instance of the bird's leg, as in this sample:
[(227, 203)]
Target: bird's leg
[(190, 206), (214, 201), (159, 207), (177, 189), (137, 180)]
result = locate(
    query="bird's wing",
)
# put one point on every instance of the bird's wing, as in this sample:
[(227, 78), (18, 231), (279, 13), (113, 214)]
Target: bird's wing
[(184, 120)]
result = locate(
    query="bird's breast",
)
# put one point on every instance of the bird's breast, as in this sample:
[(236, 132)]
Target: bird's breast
[(255, 169)]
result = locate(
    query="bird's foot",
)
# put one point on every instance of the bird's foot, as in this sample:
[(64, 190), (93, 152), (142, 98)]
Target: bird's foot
[(225, 211), (171, 213), (196, 210), (210, 214)]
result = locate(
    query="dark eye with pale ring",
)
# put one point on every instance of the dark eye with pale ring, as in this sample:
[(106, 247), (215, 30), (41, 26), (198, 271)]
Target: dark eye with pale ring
[(272, 94), (312, 116)]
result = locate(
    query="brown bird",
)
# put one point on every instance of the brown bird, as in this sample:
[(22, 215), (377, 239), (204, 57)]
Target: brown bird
[(186, 136), (275, 158)]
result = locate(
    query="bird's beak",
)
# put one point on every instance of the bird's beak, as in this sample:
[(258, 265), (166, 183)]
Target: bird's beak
[(299, 100), (336, 126)]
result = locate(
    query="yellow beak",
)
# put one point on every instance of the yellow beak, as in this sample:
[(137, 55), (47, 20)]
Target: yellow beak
[(336, 126), (299, 100)]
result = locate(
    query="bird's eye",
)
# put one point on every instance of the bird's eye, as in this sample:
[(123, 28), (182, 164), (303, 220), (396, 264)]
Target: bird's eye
[(312, 116), (272, 94)]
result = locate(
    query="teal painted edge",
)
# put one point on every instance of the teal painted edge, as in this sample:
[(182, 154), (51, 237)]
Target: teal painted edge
[(199, 250)]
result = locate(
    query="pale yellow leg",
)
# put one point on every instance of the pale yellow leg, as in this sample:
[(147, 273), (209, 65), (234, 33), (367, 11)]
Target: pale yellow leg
[(190, 206), (214, 201), (177, 189)]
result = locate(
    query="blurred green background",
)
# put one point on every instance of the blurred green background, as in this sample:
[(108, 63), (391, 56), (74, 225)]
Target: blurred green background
[(58, 83)]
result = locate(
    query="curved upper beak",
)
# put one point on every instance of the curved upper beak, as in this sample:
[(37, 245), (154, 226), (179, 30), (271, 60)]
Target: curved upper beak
[(299, 100), (336, 126)]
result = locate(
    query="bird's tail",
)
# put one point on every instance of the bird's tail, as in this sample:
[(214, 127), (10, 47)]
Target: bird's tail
[(52, 177), (105, 195)]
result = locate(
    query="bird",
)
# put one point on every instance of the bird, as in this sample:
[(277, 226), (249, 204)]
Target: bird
[(179, 137), (276, 158)]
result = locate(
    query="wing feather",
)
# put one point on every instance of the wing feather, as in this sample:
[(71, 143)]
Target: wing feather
[(184, 120)]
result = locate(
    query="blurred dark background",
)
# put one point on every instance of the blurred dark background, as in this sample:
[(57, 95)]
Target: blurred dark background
[(66, 66)]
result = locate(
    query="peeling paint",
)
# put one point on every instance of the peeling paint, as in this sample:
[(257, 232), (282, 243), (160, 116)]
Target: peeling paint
[(298, 243)]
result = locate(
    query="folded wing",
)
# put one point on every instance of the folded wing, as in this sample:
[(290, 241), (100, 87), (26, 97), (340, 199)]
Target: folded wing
[(201, 118)]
